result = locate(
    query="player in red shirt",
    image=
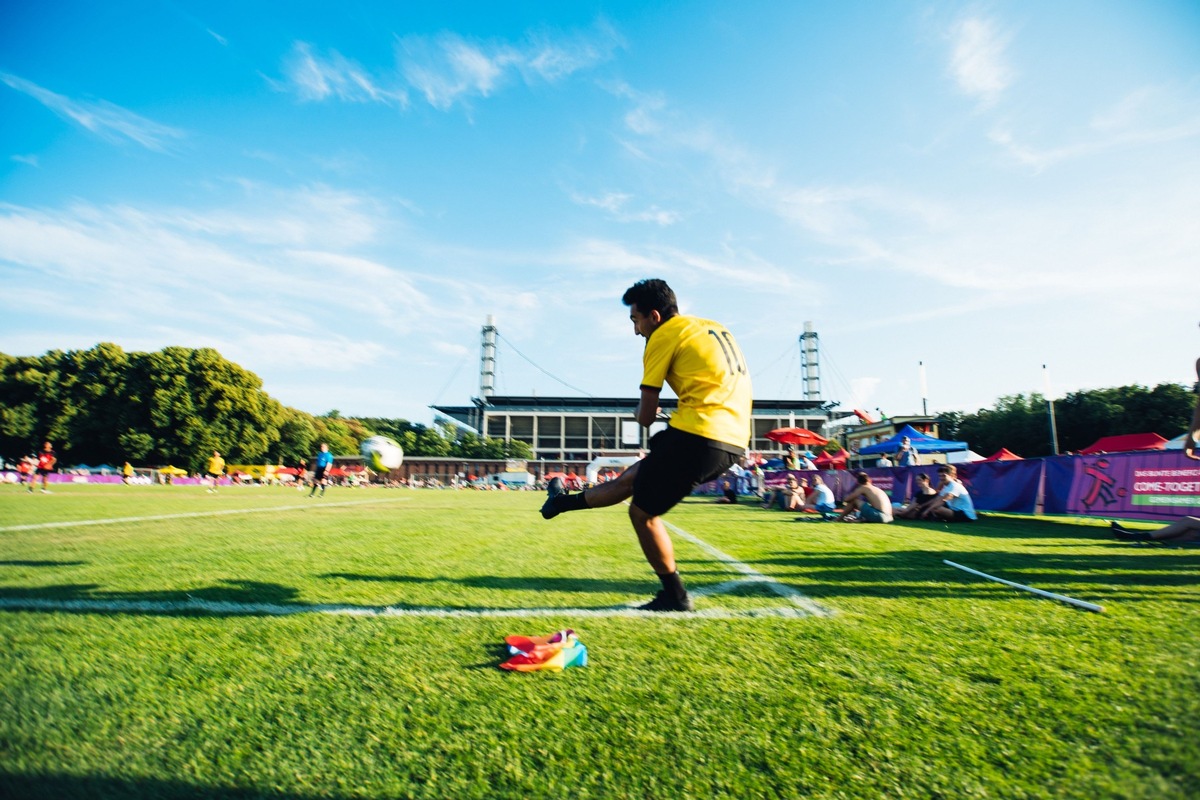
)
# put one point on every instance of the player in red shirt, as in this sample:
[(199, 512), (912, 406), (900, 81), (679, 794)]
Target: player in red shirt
[(45, 465)]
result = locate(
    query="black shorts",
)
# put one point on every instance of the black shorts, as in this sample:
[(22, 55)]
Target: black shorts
[(43, 471), (678, 462), (960, 516), (319, 473)]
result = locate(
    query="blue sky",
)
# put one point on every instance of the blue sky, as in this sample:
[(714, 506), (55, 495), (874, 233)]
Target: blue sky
[(335, 196)]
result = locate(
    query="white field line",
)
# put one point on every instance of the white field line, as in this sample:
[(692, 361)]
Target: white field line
[(195, 606), (796, 598), (801, 605), (1039, 592), (190, 514)]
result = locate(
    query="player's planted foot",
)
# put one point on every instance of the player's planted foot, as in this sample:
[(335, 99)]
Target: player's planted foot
[(554, 490), (1127, 535), (664, 601)]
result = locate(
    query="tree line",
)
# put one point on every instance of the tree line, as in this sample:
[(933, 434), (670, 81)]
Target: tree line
[(177, 405), (1022, 422)]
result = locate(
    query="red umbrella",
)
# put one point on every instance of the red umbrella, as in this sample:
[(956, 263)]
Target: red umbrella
[(799, 436)]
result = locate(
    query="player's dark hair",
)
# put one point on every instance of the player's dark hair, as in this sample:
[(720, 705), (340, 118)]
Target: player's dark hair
[(862, 477), (922, 476), (652, 294)]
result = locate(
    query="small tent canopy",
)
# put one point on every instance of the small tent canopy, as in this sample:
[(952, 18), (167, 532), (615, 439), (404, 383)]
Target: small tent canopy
[(1124, 443), (833, 460), (920, 441), (1004, 454)]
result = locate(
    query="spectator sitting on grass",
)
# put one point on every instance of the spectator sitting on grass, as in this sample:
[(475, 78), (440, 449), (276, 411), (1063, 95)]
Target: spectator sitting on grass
[(729, 495), (953, 502), (923, 494), (867, 503), (820, 499), (789, 497)]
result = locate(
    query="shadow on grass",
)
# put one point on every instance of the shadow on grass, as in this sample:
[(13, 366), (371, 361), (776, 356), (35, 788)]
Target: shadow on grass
[(241, 598), (921, 573), (42, 563), (518, 582), (63, 786)]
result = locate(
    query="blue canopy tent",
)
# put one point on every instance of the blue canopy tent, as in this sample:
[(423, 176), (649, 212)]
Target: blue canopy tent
[(920, 441)]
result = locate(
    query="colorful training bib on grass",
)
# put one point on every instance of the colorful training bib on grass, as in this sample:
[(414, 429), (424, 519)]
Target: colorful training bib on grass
[(555, 652)]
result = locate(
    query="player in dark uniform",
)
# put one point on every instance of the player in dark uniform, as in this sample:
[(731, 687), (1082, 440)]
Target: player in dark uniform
[(321, 467)]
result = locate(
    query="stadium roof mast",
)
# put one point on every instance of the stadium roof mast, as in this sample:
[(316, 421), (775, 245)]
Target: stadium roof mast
[(810, 362), (487, 360)]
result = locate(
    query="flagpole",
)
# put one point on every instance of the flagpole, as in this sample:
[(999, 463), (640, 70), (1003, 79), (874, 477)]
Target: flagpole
[(924, 390), (1050, 405)]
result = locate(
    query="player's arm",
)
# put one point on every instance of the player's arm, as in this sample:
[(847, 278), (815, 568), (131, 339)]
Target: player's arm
[(647, 410)]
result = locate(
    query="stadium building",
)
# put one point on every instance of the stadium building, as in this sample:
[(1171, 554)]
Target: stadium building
[(581, 429)]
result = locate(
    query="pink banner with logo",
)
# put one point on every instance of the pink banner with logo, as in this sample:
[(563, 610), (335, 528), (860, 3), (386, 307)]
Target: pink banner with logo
[(1160, 485)]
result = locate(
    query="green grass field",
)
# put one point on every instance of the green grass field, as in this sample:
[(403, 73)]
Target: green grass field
[(256, 643)]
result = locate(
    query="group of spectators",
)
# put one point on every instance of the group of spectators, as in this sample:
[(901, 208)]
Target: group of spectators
[(949, 501)]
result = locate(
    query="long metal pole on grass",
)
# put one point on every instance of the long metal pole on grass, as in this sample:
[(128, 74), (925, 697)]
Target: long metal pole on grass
[(1051, 595)]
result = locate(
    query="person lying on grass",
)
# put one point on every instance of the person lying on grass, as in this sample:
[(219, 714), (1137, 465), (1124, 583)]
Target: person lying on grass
[(1181, 531)]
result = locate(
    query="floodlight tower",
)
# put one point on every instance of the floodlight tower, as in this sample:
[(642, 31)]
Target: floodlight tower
[(487, 360), (810, 362)]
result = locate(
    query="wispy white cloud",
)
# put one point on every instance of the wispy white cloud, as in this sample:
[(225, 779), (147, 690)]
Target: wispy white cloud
[(102, 118), (221, 39), (1147, 116), (31, 160), (316, 77), (978, 59), (214, 272), (447, 69), (616, 204)]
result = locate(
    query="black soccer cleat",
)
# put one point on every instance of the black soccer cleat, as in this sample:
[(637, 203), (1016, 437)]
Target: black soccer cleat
[(553, 490), (1127, 535), (665, 602)]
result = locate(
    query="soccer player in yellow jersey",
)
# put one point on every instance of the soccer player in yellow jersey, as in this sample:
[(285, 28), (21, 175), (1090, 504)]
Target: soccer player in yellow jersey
[(708, 434), (216, 468)]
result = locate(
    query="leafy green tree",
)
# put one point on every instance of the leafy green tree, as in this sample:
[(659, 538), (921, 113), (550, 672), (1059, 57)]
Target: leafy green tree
[(297, 438)]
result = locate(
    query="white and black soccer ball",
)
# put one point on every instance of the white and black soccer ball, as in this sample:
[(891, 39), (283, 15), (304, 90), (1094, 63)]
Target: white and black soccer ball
[(381, 453)]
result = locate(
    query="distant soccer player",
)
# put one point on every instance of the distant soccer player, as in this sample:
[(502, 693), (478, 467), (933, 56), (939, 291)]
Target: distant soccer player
[(216, 468), (702, 363), (26, 469), (321, 465), (46, 461)]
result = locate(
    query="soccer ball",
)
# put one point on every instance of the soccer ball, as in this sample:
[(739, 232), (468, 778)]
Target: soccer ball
[(381, 453)]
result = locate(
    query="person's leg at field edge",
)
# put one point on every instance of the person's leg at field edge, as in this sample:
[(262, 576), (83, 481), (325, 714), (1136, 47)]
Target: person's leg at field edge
[(651, 532), (1180, 531)]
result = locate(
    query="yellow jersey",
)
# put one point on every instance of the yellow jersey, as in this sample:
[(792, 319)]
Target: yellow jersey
[(703, 365), (216, 466)]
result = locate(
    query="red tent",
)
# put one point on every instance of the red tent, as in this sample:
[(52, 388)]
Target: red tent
[(833, 460), (800, 436), (1004, 454), (1124, 443)]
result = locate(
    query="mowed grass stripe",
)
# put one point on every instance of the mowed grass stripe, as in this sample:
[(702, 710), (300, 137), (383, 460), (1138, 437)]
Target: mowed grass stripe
[(197, 606), (158, 517)]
